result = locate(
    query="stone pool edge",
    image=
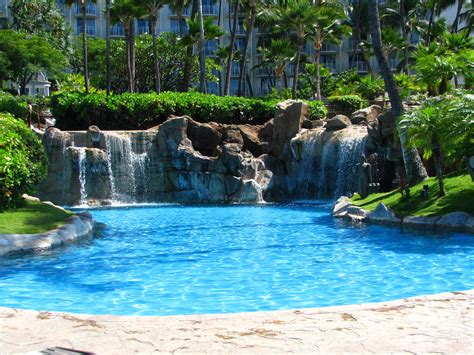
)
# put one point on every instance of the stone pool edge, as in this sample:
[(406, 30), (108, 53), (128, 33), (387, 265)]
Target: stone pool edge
[(433, 323), (456, 221), (75, 227)]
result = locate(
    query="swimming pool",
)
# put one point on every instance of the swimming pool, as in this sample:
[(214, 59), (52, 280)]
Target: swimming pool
[(175, 259)]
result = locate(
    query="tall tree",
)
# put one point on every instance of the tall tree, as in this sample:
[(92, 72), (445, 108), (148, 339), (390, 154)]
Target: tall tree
[(83, 5), (413, 166), (297, 16), (250, 7), (178, 6), (202, 57), (125, 12), (152, 9), (328, 28), (107, 46), (233, 36), (22, 56)]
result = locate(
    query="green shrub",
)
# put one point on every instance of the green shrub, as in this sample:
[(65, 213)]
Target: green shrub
[(77, 111), (23, 161), (347, 104), (16, 105)]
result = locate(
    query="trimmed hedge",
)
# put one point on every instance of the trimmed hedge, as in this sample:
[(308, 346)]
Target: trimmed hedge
[(77, 111), (347, 104), (23, 160)]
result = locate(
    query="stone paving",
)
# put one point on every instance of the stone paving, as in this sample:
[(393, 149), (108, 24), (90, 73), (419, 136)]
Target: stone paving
[(442, 323)]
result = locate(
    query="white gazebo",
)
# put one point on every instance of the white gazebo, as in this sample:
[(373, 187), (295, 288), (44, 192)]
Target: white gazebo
[(38, 85)]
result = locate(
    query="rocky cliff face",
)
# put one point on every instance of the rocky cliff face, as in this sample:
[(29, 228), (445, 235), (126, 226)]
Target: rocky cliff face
[(185, 161)]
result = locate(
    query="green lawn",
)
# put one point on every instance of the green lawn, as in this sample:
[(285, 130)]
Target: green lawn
[(459, 197), (33, 217)]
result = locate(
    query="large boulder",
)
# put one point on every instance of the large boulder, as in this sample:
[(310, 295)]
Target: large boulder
[(387, 124), (383, 214), (251, 140), (366, 115), (288, 121), (337, 123), (456, 220), (204, 137)]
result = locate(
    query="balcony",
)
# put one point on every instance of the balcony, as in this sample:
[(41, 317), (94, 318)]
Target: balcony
[(235, 70), (90, 31), (393, 63), (61, 7), (210, 10), (91, 10), (142, 27), (327, 47), (209, 49), (264, 72), (186, 12), (117, 30), (360, 66)]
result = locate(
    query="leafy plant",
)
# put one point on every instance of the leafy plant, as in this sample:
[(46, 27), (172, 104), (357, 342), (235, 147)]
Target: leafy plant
[(347, 104), (23, 161), (369, 88)]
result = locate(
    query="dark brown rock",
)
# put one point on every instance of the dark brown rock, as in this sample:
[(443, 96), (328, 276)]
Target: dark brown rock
[(204, 137), (337, 122), (366, 115)]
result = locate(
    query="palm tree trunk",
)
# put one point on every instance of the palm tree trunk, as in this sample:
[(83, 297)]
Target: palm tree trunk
[(439, 170), (248, 34), (413, 166), (219, 44), (129, 62), (430, 25), (186, 82), (455, 26), (233, 36), (202, 58), (84, 46), (405, 35), (294, 88), (317, 51), (132, 57), (107, 46), (156, 64)]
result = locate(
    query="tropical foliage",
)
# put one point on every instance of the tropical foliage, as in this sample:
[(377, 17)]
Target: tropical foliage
[(23, 161)]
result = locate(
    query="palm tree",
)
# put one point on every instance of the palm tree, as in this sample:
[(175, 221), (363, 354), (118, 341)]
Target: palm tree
[(297, 16), (233, 36), (436, 7), (152, 8), (178, 7), (413, 166), (107, 46), (359, 22), (250, 7), (202, 57), (125, 12), (83, 5), (278, 55), (328, 27), (193, 37)]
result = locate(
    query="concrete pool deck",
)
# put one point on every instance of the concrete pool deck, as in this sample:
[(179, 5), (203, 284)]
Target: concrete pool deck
[(441, 323)]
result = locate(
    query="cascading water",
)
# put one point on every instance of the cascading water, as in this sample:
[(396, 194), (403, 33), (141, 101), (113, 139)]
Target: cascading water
[(82, 175), (351, 153), (327, 163), (108, 147)]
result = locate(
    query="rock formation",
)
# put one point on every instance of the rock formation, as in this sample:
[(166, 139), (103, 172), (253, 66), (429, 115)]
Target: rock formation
[(189, 162)]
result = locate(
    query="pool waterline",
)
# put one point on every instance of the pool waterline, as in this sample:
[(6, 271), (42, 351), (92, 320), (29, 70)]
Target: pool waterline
[(239, 258)]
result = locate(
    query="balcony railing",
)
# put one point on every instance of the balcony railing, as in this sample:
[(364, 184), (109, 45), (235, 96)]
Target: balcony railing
[(330, 65), (209, 50), (360, 66), (186, 12), (393, 63), (89, 30), (91, 10), (210, 10), (327, 47), (264, 72), (235, 70), (142, 29), (60, 4), (117, 30)]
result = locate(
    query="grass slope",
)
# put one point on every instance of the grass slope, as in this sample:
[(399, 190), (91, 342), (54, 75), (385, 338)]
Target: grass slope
[(459, 197), (33, 217)]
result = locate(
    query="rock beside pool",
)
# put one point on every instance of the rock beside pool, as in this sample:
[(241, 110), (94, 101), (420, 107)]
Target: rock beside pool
[(344, 208), (77, 226), (383, 214), (457, 220)]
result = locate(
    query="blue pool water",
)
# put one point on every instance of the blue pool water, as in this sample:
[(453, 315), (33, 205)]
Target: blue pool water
[(175, 259)]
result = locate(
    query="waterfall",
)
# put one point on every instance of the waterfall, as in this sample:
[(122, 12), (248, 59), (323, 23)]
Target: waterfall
[(82, 175), (127, 169), (349, 155), (327, 166), (108, 148)]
